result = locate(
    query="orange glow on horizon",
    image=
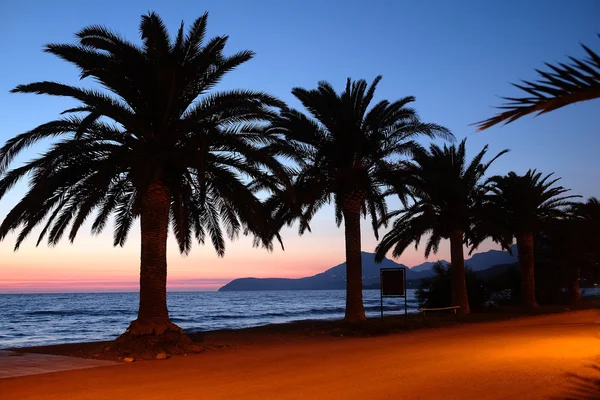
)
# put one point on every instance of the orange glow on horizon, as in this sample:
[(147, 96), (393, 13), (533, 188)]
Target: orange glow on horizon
[(93, 264)]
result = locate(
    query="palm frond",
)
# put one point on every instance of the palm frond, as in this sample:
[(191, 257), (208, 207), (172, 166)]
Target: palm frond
[(343, 145), (563, 85), (151, 120), (521, 203), (446, 189)]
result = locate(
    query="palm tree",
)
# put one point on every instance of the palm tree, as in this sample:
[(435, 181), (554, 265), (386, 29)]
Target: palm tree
[(518, 206), (563, 247), (565, 84), (584, 219), (445, 189), (588, 211), (150, 142), (343, 149)]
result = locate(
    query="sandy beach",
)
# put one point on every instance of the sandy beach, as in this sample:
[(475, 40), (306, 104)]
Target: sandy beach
[(525, 358)]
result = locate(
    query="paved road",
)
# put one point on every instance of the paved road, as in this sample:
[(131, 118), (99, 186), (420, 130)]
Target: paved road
[(529, 358)]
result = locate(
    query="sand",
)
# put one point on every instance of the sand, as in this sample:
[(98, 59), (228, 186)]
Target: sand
[(524, 358)]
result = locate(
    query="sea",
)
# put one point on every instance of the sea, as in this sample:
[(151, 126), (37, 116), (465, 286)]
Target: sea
[(42, 319)]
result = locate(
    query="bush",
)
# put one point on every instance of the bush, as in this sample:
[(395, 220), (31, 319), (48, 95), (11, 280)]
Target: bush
[(437, 291), (505, 285)]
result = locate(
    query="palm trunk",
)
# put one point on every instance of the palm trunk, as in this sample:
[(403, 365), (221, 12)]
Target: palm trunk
[(153, 317), (574, 290), (526, 260), (355, 311), (460, 296)]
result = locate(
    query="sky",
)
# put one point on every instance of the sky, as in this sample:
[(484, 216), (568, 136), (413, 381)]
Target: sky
[(457, 58)]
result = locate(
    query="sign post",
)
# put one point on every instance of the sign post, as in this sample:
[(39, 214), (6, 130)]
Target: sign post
[(393, 284)]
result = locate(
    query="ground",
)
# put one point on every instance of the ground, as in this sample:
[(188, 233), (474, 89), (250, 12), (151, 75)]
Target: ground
[(526, 358)]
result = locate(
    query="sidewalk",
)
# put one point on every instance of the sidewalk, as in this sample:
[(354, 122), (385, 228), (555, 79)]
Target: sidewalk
[(14, 364)]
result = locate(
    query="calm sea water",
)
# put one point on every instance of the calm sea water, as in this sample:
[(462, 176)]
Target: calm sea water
[(40, 319)]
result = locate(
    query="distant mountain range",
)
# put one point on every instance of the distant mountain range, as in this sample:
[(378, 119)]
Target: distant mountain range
[(479, 261), (427, 265), (335, 278)]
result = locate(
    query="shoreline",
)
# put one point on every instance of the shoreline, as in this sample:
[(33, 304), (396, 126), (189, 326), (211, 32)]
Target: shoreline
[(316, 330)]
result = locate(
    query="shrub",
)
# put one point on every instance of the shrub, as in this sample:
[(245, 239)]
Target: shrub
[(437, 292)]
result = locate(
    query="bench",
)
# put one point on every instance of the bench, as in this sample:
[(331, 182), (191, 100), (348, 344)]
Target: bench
[(424, 310)]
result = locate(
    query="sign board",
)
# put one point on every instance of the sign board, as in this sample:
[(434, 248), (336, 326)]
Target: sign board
[(393, 284)]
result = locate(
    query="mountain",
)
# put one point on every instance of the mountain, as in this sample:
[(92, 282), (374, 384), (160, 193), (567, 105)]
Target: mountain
[(427, 265), (492, 257), (335, 277), (479, 261)]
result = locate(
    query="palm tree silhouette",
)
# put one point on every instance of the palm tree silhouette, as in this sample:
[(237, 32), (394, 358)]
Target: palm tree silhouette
[(585, 219), (518, 206), (564, 84), (152, 143), (445, 189), (343, 149), (588, 211)]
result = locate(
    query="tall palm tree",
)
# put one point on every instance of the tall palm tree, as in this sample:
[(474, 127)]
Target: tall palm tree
[(518, 206), (343, 149), (563, 247), (150, 142), (584, 219), (564, 84), (446, 188)]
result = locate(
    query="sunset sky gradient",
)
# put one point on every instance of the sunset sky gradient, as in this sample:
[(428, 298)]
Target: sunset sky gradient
[(456, 57)]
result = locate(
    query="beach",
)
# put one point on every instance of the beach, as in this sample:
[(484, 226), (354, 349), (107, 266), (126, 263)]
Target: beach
[(531, 357)]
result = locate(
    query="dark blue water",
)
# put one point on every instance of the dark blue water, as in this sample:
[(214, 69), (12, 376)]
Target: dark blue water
[(40, 319)]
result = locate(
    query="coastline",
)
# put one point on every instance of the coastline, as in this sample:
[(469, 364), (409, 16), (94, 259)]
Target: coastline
[(316, 330)]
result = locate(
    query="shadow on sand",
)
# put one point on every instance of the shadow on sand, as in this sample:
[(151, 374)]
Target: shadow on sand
[(583, 387)]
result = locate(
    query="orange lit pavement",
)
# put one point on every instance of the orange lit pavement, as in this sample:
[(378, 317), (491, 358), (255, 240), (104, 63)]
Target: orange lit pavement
[(20, 364), (528, 358)]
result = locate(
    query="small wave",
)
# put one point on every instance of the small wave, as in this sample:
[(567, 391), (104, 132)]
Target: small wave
[(223, 316), (179, 320), (390, 307), (17, 334), (307, 312), (64, 313), (78, 312), (115, 321), (312, 311), (401, 302)]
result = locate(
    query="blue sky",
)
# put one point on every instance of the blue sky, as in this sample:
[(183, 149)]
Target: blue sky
[(456, 57)]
